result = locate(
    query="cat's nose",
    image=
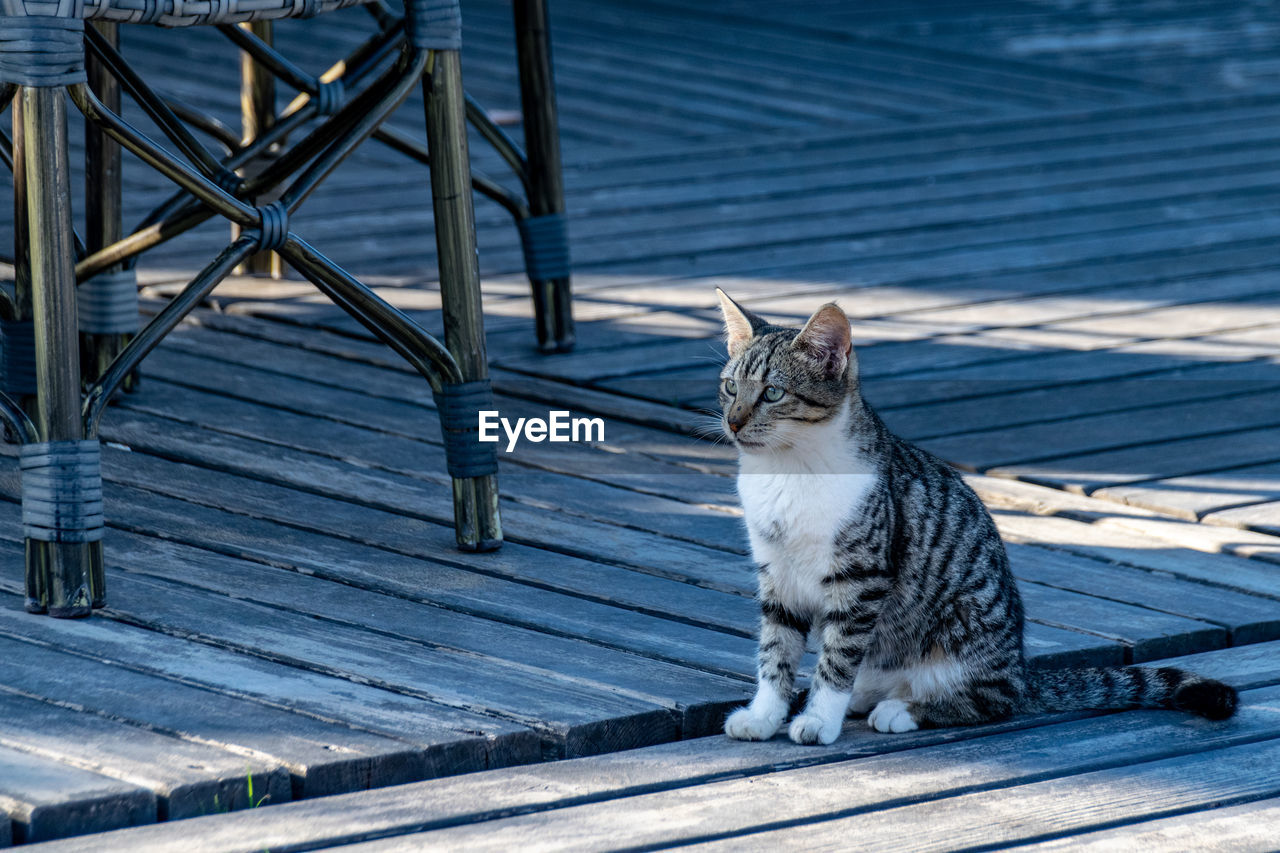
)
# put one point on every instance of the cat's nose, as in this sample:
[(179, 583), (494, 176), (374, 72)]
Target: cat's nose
[(735, 423)]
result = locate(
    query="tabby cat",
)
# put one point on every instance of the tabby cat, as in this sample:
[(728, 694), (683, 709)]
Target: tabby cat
[(887, 556)]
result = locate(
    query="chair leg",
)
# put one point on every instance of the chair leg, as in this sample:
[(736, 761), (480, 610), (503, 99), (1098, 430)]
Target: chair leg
[(257, 116), (552, 296), (475, 498), (108, 329), (59, 568)]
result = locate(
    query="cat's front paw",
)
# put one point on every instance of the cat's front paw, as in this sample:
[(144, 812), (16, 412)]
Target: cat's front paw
[(812, 729), (892, 715), (743, 725)]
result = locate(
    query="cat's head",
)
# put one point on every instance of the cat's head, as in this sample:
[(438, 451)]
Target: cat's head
[(780, 383)]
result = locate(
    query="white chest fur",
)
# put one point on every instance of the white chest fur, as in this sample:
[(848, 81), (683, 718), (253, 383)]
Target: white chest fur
[(796, 502)]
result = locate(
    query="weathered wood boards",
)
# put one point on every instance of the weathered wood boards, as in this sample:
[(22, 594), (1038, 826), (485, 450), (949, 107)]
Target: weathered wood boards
[(1065, 276), (46, 799), (1248, 828), (239, 523), (188, 778), (713, 787)]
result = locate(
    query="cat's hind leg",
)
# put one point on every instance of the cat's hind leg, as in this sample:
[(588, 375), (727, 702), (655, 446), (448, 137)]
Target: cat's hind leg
[(871, 686), (984, 701)]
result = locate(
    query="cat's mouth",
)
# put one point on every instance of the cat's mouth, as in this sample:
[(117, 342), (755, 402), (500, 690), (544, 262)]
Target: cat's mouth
[(752, 443)]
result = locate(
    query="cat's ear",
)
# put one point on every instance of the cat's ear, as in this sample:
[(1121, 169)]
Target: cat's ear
[(740, 325), (825, 340)]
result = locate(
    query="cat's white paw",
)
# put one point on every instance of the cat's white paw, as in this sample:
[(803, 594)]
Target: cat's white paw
[(892, 715), (743, 725), (812, 729)]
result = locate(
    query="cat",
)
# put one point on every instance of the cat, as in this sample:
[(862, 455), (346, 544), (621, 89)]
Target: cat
[(887, 557)]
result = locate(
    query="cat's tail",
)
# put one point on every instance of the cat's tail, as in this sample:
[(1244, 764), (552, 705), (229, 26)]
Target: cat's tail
[(1116, 688)]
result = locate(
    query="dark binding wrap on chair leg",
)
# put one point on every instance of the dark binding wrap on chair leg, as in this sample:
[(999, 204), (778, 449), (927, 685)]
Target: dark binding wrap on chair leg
[(459, 405)]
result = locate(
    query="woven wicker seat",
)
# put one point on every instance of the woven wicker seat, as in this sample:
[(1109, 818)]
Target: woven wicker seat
[(43, 48), (173, 13)]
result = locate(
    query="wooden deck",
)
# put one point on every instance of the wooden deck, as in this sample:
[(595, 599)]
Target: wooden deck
[(1055, 229)]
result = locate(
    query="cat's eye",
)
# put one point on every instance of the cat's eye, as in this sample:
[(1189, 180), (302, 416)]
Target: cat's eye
[(730, 387), (772, 393)]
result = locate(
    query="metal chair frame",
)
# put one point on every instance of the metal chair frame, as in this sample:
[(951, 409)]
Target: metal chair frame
[(64, 569), (537, 166)]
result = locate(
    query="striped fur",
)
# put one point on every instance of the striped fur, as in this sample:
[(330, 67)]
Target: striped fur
[(883, 555)]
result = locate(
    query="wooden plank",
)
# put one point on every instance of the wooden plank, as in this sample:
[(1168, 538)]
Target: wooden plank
[(1092, 471), (647, 630), (994, 410), (1020, 446), (322, 758), (574, 718), (1147, 358), (1243, 667), (1146, 634), (1216, 495), (457, 580), (351, 817), (877, 359), (1126, 547), (633, 428), (1046, 139), (1245, 618), (393, 436), (765, 209), (426, 494), (245, 538), (682, 768), (1201, 537), (1181, 321), (45, 799), (833, 211), (881, 259), (1263, 517), (666, 640), (930, 372), (1244, 828), (1049, 646), (452, 741), (187, 778), (507, 384), (630, 202), (1049, 808), (1132, 521), (940, 776), (541, 658), (691, 46), (988, 261), (815, 36)]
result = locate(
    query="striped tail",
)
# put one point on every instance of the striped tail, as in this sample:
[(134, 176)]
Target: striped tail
[(1117, 688)]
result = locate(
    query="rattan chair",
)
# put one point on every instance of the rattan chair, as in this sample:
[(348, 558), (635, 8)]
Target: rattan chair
[(43, 50), (538, 207)]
